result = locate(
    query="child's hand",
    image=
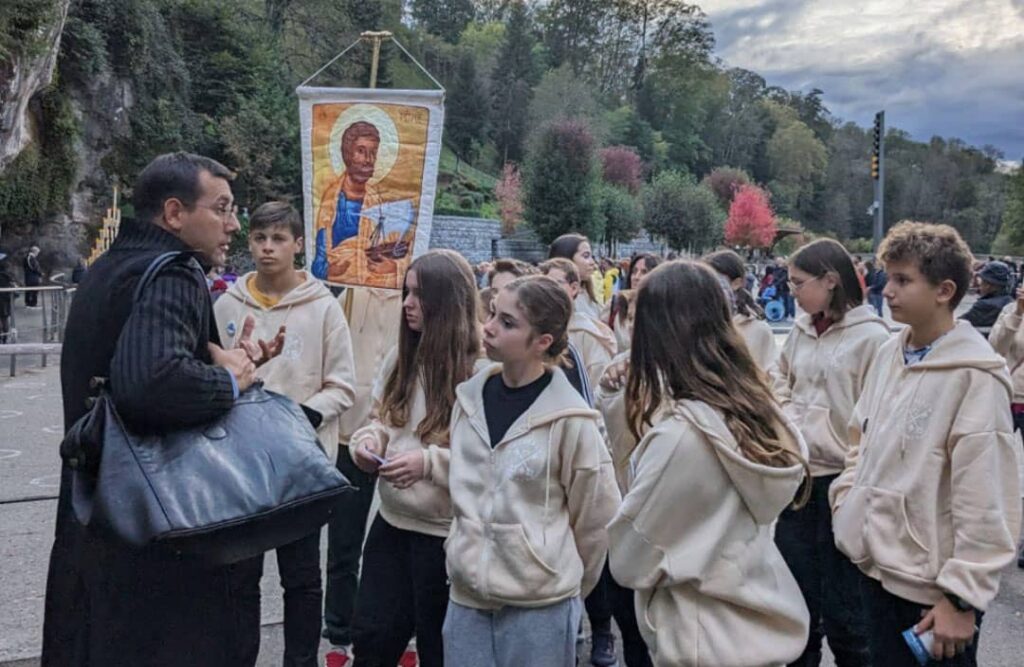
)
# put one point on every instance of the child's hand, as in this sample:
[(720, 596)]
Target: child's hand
[(614, 376), (365, 453), (953, 629), (1020, 301), (404, 470)]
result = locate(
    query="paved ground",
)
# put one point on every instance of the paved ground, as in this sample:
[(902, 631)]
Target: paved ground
[(30, 429)]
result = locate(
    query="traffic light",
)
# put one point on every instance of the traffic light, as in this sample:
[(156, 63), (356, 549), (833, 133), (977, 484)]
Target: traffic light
[(876, 148)]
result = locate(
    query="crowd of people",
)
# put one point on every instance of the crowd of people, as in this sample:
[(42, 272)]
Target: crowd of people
[(553, 441)]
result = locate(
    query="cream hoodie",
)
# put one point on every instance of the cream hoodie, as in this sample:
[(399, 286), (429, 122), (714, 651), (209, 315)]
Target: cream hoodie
[(929, 501), (425, 507), (530, 513), (594, 341), (374, 318), (759, 338), (693, 539), (612, 405), (1007, 339), (315, 368), (819, 379)]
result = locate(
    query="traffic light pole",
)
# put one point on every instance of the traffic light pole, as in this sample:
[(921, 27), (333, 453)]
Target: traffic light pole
[(879, 177)]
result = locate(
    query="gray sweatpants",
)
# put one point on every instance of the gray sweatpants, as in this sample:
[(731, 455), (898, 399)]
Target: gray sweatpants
[(512, 636)]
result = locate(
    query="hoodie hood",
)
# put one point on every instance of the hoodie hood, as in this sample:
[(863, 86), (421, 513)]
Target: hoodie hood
[(599, 330), (861, 315), (308, 290), (961, 347), (558, 400), (765, 490)]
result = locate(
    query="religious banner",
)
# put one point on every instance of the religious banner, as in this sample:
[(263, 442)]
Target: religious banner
[(369, 176)]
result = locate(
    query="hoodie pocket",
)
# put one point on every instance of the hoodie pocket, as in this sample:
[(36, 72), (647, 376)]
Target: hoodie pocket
[(514, 570), (463, 548), (849, 524), (891, 540), (826, 447)]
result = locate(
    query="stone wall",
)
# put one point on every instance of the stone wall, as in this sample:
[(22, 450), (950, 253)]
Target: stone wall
[(480, 240)]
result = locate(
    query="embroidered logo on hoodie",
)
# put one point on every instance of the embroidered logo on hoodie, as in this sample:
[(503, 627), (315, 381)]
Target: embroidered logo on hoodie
[(917, 420), (521, 459)]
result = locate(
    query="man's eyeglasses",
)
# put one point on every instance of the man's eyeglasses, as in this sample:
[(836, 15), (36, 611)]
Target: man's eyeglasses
[(223, 210)]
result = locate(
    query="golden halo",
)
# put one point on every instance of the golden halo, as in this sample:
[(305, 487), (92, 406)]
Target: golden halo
[(387, 152)]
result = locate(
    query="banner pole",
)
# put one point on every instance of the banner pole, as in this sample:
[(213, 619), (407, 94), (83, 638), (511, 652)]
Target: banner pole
[(377, 37)]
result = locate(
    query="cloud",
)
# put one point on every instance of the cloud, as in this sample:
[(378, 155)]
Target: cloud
[(942, 67)]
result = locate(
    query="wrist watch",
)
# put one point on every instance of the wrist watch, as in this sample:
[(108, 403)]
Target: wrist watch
[(959, 603)]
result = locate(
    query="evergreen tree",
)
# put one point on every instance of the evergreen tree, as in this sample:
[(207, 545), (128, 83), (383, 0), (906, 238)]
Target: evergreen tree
[(511, 85), (466, 114), (444, 18), (561, 182)]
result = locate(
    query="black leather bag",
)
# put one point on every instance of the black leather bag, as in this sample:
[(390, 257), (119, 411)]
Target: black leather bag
[(252, 480)]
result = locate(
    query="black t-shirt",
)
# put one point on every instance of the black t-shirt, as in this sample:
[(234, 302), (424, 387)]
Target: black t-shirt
[(503, 405)]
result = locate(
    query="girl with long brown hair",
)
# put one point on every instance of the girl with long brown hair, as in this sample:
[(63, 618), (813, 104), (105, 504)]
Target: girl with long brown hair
[(818, 378), (532, 491), (576, 248), (403, 590), (714, 465)]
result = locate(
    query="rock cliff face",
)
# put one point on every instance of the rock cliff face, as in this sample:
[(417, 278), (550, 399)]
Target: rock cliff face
[(20, 80)]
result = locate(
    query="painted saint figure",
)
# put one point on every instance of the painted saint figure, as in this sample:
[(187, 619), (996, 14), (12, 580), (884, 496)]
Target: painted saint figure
[(359, 145)]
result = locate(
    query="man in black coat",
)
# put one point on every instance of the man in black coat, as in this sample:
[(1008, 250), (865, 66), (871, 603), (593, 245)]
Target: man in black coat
[(106, 604), (994, 284)]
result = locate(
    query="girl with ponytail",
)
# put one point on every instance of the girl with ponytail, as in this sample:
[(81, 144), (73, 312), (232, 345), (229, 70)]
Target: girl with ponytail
[(532, 490)]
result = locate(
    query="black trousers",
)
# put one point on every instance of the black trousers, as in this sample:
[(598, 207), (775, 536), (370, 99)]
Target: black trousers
[(888, 616), (830, 583), (298, 564), (344, 547), (403, 592), (608, 600)]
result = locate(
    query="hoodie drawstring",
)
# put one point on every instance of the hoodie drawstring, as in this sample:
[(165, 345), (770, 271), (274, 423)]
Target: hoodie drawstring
[(547, 485)]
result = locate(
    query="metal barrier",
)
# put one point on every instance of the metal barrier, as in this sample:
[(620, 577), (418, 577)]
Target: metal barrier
[(27, 338)]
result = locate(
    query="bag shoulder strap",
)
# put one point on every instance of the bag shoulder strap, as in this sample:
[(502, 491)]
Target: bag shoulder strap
[(162, 260)]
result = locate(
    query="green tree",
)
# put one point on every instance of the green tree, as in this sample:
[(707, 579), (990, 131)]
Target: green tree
[(685, 214), (1013, 215), (466, 115), (444, 18), (561, 95), (798, 161), (511, 85), (560, 182), (622, 214)]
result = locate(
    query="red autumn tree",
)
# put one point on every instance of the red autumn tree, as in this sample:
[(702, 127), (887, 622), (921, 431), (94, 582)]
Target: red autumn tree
[(509, 193), (751, 222), (622, 166)]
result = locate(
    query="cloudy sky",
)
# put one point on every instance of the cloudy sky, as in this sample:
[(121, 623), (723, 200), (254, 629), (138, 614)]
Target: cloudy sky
[(938, 67)]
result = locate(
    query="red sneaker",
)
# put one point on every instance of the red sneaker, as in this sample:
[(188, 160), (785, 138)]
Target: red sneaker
[(339, 656), (409, 659)]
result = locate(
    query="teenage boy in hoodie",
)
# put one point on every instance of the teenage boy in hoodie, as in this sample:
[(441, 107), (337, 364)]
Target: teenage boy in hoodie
[(594, 340), (315, 369), (928, 504)]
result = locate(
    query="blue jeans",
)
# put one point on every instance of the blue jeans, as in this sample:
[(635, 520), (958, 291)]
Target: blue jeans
[(877, 302), (790, 305)]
